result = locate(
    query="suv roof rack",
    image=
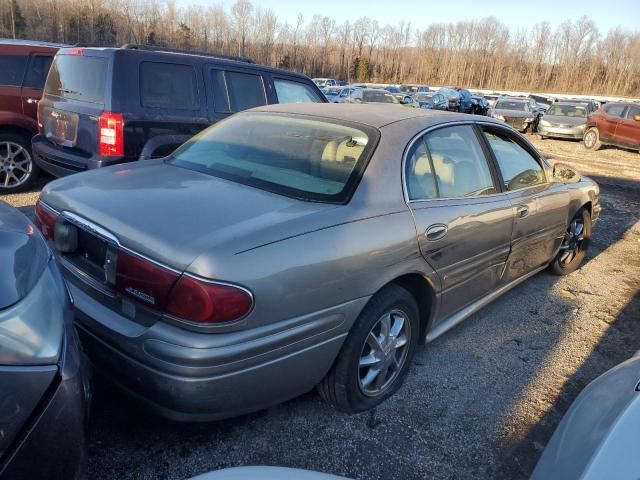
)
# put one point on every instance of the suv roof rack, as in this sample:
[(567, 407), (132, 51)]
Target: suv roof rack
[(159, 48)]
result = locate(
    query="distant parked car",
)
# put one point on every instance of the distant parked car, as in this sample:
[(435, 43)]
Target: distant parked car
[(414, 88), (342, 83), (590, 105), (23, 70), (393, 89), (103, 106), (564, 120), (453, 97), (332, 92), (616, 124), (519, 112), (325, 82), (44, 388), (372, 95), (265, 473), (598, 437), (259, 292), (466, 100), (479, 105), (432, 101), (407, 100)]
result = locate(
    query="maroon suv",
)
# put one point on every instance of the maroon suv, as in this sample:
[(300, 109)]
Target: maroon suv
[(614, 124), (23, 70)]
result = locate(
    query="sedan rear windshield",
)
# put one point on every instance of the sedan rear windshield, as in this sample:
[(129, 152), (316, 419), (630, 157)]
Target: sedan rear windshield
[(507, 105), (77, 77), (298, 156)]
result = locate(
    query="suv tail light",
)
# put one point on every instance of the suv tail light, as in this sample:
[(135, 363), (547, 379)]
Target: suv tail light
[(182, 296), (45, 220), (111, 134)]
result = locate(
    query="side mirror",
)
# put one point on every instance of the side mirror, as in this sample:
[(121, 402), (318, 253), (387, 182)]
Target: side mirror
[(636, 118), (564, 173)]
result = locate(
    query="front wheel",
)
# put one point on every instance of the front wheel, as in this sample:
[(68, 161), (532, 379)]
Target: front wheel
[(376, 356), (591, 139), (18, 171), (575, 244)]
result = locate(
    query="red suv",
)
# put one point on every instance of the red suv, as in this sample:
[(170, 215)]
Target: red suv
[(613, 124), (23, 70)]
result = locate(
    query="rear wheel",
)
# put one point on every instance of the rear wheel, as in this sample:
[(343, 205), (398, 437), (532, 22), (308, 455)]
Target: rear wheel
[(376, 355), (575, 244), (591, 139), (18, 171)]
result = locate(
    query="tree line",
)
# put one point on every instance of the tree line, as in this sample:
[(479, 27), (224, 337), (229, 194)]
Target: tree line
[(574, 57)]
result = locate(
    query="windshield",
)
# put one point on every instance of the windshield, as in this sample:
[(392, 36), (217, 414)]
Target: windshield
[(577, 111), (302, 157), (512, 105), (379, 97), (423, 97), (332, 90)]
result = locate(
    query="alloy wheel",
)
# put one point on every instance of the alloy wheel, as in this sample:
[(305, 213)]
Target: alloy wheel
[(15, 165), (573, 240), (384, 353), (590, 139)]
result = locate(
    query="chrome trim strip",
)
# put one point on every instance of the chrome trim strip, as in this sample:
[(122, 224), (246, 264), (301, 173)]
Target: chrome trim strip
[(469, 310), (90, 227)]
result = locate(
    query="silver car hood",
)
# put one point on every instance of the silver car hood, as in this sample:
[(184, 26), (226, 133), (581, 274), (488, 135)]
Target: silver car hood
[(598, 436), (173, 214), (564, 120)]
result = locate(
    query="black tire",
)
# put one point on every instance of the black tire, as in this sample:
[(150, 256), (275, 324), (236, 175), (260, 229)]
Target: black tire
[(26, 179), (591, 139), (342, 386), (562, 265)]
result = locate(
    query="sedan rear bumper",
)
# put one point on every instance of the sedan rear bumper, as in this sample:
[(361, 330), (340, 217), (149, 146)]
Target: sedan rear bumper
[(193, 376)]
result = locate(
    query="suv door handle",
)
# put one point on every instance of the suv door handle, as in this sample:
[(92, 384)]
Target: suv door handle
[(522, 211), (436, 232)]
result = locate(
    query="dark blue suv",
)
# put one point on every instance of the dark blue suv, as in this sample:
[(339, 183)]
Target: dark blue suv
[(103, 106)]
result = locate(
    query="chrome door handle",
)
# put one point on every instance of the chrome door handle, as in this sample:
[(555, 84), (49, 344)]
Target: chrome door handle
[(522, 211), (436, 232), (32, 100)]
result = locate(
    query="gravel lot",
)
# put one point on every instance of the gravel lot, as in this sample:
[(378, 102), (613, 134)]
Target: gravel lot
[(480, 402)]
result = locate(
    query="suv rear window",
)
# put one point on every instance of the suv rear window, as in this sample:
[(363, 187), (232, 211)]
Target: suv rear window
[(12, 69), (77, 77), (301, 157), (167, 85)]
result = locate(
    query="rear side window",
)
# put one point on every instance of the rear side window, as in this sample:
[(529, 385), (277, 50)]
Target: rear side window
[(237, 91), (77, 77), (167, 85), (632, 112), (614, 110), (461, 169), (294, 92), (519, 169), (12, 69), (37, 71), (421, 182)]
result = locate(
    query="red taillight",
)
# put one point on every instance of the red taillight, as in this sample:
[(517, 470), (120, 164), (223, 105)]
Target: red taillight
[(205, 302), (75, 51), (144, 280), (111, 134), (45, 220)]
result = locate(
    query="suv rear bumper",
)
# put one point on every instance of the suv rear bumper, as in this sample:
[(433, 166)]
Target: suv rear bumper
[(60, 163)]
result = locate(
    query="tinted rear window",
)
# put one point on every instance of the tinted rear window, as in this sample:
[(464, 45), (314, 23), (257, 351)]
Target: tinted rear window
[(302, 157), (12, 69), (38, 70), (78, 77), (167, 85), (237, 91)]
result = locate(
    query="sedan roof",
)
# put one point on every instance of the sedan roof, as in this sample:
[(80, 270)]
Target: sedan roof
[(374, 115)]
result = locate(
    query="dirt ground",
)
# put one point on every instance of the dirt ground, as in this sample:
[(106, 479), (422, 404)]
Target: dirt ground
[(480, 402)]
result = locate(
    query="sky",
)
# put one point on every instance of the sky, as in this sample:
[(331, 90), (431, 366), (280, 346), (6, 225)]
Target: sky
[(607, 14)]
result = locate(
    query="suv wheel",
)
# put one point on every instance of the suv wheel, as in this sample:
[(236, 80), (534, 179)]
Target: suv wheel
[(18, 171), (376, 356), (591, 139)]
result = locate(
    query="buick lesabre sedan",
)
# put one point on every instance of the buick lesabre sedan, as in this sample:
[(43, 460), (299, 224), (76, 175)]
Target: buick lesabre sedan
[(294, 246)]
